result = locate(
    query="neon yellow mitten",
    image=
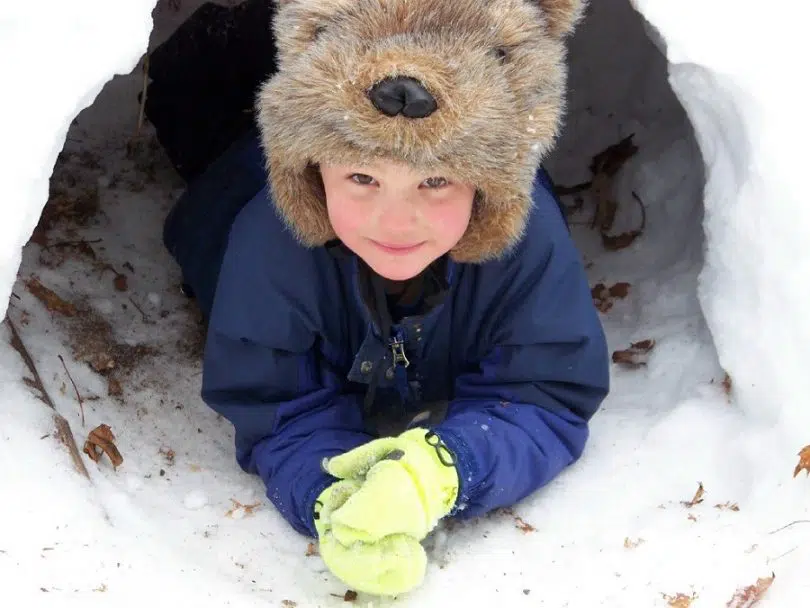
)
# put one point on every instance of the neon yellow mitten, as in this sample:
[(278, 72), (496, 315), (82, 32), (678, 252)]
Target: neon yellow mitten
[(409, 483), (393, 565)]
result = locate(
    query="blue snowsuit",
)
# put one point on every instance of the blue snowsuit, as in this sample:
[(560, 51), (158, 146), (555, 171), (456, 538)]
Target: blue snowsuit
[(295, 345)]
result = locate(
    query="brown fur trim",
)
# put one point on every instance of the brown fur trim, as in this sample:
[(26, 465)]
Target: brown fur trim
[(563, 16), (496, 118)]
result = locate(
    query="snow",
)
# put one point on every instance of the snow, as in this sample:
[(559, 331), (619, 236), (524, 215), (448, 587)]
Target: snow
[(718, 280)]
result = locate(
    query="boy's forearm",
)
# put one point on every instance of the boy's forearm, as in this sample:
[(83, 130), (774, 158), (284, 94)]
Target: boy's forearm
[(284, 423), (506, 451), (290, 466)]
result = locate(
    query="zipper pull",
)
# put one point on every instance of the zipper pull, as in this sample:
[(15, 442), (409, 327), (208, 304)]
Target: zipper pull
[(398, 350)]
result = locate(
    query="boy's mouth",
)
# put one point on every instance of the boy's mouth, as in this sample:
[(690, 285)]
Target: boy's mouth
[(397, 248)]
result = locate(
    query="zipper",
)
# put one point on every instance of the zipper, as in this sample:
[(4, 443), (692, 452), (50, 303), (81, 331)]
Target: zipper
[(400, 365), (398, 350)]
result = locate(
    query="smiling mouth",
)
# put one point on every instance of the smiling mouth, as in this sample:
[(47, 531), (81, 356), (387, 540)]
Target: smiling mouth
[(397, 248)]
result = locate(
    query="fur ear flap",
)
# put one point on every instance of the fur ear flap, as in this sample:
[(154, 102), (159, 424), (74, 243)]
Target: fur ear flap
[(562, 15)]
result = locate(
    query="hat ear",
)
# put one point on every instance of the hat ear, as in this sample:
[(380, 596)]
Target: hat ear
[(561, 15)]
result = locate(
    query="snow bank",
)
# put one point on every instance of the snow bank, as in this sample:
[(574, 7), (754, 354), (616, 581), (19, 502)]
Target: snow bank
[(57, 56), (745, 101)]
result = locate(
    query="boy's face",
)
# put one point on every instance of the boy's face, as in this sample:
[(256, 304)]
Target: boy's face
[(398, 220)]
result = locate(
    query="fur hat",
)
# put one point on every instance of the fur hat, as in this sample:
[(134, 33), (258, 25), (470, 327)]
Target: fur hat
[(468, 89)]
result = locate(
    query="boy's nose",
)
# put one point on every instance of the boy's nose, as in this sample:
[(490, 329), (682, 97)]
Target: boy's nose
[(402, 95), (396, 218)]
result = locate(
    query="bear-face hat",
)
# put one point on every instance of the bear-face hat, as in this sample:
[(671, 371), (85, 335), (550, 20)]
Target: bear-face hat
[(472, 90)]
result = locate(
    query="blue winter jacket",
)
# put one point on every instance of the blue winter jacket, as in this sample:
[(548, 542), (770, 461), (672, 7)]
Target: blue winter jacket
[(515, 346)]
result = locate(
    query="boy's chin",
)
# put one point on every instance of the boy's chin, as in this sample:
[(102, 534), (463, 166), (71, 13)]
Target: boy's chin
[(399, 268)]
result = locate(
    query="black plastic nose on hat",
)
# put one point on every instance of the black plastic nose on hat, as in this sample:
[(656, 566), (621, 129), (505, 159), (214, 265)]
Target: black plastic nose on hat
[(402, 95)]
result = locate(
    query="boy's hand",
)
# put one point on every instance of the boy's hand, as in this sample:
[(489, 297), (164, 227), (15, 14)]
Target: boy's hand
[(408, 483), (391, 566)]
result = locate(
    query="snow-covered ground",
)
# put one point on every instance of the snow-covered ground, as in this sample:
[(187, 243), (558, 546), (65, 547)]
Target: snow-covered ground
[(618, 529)]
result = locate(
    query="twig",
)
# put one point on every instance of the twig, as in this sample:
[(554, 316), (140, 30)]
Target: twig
[(78, 396), (72, 243), (643, 211), (140, 310), (63, 431), (773, 559), (142, 109), (625, 239), (17, 344), (793, 523)]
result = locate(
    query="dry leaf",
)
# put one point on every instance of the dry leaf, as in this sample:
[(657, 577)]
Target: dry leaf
[(49, 299), (114, 388), (727, 384), (100, 440), (606, 205), (603, 296), (604, 167), (680, 600), (312, 549), (632, 544), (239, 507), (611, 159), (625, 239), (101, 360), (350, 596), (619, 241), (288, 603), (619, 290), (524, 525), (697, 499), (730, 506), (691, 517), (636, 355), (804, 461), (168, 454), (745, 597)]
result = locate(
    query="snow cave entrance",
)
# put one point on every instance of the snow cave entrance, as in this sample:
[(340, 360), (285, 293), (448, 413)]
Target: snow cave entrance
[(97, 286)]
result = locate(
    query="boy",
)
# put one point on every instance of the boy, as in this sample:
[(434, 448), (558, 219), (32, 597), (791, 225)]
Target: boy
[(406, 261)]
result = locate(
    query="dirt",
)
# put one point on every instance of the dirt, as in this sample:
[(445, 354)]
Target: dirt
[(73, 205), (192, 344), (93, 342), (73, 197)]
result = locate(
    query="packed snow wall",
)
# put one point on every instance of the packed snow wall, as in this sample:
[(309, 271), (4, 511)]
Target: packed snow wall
[(742, 99)]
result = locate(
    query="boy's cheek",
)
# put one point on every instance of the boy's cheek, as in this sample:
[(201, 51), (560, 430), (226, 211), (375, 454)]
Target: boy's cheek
[(346, 218), (449, 222)]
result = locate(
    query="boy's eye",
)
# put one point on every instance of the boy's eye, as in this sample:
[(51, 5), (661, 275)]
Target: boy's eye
[(435, 182), (362, 179)]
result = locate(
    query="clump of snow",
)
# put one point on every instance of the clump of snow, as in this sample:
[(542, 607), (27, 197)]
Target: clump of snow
[(684, 488), (196, 499)]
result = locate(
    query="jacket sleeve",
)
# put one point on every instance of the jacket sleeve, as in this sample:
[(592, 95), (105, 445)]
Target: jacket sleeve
[(284, 424), (520, 416), (266, 369)]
